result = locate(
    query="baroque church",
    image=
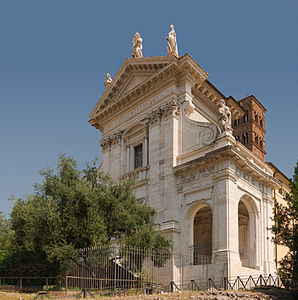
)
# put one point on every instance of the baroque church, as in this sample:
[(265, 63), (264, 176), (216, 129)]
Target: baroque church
[(198, 158)]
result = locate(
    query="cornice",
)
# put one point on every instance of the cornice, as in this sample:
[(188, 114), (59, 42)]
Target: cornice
[(163, 69), (146, 88), (129, 65), (207, 89), (169, 109), (177, 70), (229, 151)]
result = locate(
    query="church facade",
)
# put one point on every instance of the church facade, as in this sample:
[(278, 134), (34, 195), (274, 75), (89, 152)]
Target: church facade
[(163, 122)]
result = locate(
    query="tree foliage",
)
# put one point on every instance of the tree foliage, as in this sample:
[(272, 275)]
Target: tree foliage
[(73, 209), (285, 230), (5, 234)]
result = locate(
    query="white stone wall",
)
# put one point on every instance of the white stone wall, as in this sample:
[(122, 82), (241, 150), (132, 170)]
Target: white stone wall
[(175, 140)]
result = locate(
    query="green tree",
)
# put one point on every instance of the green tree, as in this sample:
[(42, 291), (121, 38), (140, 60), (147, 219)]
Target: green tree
[(285, 230), (73, 209), (5, 234)]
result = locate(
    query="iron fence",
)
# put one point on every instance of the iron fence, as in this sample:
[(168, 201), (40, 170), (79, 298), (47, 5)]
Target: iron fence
[(107, 268), (111, 269), (247, 257), (235, 283), (200, 254), (27, 284)]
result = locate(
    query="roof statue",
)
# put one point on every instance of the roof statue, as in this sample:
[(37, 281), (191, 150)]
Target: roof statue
[(172, 42), (108, 80), (137, 46), (225, 117)]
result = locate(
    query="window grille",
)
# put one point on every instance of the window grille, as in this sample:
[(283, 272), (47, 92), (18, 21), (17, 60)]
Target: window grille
[(138, 156)]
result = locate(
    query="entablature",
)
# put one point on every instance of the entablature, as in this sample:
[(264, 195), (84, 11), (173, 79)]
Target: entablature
[(157, 72), (242, 161)]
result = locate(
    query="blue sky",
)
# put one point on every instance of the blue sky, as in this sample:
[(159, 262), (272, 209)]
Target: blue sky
[(54, 56)]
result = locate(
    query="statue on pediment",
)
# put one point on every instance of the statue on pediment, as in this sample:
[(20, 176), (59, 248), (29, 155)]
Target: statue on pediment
[(137, 46), (225, 117), (108, 80), (172, 42)]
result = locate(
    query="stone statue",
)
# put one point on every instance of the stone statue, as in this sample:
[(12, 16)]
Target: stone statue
[(108, 80), (172, 42), (225, 117), (137, 46)]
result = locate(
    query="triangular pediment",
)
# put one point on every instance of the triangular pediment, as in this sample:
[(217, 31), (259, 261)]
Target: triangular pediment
[(132, 74), (134, 81)]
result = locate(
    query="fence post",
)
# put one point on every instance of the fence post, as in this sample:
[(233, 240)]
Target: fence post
[(152, 267), (261, 277), (47, 283), (21, 285), (66, 285), (115, 271), (225, 283), (172, 286), (209, 283)]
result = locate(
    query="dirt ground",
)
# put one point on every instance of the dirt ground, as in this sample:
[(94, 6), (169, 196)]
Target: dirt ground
[(258, 294)]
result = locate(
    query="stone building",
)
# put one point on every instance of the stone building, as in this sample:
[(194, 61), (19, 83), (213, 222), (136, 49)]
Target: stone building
[(163, 122), (250, 129), (280, 251)]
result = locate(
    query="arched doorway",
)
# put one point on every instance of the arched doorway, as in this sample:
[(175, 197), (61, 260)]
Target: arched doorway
[(246, 235), (202, 248)]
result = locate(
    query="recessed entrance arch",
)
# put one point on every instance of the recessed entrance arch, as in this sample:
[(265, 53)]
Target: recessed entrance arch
[(202, 235), (247, 233)]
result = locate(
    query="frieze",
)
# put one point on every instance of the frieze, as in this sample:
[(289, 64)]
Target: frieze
[(199, 174), (244, 175), (137, 110)]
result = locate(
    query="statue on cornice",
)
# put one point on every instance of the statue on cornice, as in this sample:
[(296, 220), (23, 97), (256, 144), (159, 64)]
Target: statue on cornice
[(172, 42), (108, 80), (225, 117), (137, 46)]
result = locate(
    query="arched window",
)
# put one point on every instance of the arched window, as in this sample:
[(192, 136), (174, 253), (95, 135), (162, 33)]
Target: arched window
[(245, 138), (245, 117), (202, 248)]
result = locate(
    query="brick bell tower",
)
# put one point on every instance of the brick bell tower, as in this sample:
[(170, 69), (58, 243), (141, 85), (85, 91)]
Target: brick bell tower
[(250, 129)]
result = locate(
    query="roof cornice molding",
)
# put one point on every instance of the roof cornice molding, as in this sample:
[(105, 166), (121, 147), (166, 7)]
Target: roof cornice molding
[(244, 160), (166, 68), (148, 87), (130, 66), (162, 69)]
